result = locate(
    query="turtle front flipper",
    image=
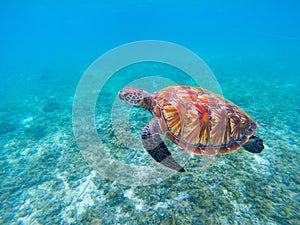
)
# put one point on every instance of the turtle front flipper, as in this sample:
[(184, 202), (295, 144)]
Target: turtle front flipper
[(254, 144), (158, 150)]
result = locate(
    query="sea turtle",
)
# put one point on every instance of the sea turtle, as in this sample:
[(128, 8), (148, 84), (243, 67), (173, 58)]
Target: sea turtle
[(195, 119)]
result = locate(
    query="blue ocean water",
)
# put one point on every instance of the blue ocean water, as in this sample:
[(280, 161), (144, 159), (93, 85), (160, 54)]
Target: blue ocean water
[(252, 48)]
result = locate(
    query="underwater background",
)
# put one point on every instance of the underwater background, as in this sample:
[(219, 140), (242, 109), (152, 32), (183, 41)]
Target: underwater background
[(252, 47)]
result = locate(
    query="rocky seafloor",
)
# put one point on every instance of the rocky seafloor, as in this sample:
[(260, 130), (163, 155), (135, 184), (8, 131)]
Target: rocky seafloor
[(44, 179)]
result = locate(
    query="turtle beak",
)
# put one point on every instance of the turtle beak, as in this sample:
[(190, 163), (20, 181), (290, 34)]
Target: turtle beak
[(121, 95)]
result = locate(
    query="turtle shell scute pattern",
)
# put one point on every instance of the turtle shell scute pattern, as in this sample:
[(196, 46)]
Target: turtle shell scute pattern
[(200, 121)]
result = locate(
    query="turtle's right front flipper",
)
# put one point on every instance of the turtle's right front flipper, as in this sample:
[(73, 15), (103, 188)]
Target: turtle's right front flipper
[(158, 150)]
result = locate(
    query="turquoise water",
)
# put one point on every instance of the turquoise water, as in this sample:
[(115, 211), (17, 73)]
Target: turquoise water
[(253, 50)]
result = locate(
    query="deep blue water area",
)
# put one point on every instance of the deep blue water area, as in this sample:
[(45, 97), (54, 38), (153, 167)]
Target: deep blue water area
[(252, 48)]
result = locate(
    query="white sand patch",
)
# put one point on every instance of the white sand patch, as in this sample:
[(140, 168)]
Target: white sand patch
[(181, 196), (119, 214), (26, 219), (163, 205), (138, 203), (80, 198), (260, 160), (27, 122), (128, 193), (260, 164)]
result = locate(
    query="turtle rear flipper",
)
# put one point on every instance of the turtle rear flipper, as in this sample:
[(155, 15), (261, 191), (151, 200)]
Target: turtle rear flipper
[(158, 150), (254, 144)]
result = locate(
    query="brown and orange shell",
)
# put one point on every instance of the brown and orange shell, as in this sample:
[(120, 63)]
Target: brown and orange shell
[(201, 121)]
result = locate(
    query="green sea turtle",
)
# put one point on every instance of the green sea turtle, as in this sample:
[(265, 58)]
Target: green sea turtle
[(195, 119)]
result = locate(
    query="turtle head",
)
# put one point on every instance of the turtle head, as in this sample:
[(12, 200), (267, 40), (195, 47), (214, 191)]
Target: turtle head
[(135, 97)]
